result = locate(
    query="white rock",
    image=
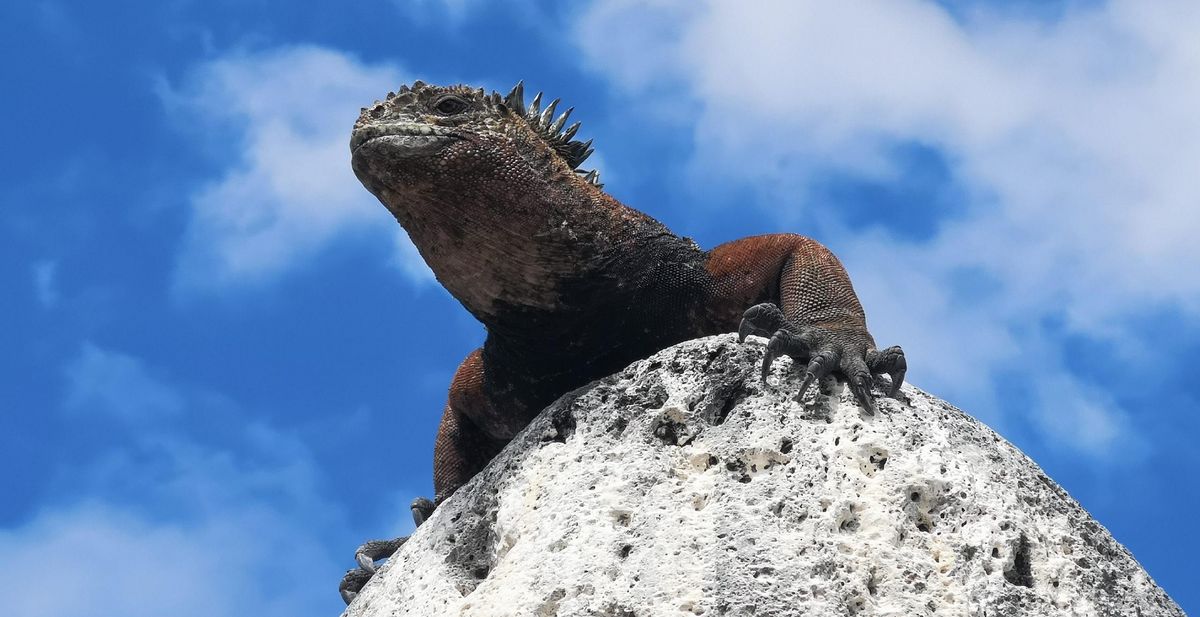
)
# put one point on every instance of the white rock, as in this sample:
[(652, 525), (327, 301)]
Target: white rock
[(683, 486)]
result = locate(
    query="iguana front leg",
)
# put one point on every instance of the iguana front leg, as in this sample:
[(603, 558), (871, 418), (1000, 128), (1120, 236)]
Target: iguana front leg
[(812, 313), (461, 450)]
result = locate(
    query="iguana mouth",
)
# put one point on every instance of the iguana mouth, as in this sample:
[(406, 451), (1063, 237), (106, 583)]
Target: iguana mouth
[(410, 134)]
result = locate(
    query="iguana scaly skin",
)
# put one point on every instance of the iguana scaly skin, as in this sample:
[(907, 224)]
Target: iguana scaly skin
[(571, 284)]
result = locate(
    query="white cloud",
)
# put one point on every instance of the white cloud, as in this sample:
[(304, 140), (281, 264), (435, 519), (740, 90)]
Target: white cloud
[(45, 283), (1085, 417), (170, 526), (210, 535), (97, 560), (1076, 141), (289, 191), (109, 382)]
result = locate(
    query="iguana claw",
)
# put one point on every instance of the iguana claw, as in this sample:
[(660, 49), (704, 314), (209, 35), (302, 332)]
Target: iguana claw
[(819, 367)]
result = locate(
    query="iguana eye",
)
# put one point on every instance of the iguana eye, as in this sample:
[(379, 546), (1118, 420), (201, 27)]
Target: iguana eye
[(450, 105)]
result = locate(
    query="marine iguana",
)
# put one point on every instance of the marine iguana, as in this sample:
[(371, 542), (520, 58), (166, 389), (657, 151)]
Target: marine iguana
[(571, 284)]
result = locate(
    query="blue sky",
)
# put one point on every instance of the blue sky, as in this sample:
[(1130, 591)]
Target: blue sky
[(224, 363)]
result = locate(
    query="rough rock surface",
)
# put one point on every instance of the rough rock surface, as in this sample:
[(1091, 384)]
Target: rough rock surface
[(683, 486)]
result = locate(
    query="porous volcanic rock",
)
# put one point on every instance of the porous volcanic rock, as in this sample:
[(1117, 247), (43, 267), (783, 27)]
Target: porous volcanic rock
[(685, 486)]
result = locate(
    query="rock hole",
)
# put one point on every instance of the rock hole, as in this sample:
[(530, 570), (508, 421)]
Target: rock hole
[(471, 555), (872, 583), (850, 525), (670, 432), (785, 446), (657, 396), (712, 356), (562, 425), (625, 550), (725, 398), (1021, 571), (549, 606)]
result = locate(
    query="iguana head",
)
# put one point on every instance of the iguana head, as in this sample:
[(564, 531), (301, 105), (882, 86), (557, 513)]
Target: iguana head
[(487, 187), (423, 132)]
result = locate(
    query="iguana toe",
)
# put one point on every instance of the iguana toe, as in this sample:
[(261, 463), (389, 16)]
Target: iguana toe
[(422, 509), (374, 550), (891, 362), (784, 343), (761, 320), (352, 583), (820, 365), (858, 378)]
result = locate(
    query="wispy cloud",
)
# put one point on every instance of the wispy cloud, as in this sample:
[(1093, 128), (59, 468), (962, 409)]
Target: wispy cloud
[(288, 192), (45, 283), (1074, 140), (109, 382)]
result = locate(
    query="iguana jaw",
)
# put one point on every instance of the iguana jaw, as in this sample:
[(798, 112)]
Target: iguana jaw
[(402, 138)]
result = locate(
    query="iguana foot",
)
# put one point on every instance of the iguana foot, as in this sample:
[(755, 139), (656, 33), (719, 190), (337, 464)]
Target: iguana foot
[(374, 550), (366, 555), (823, 350)]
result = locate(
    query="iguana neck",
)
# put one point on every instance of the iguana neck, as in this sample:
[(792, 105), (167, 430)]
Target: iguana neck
[(513, 253)]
